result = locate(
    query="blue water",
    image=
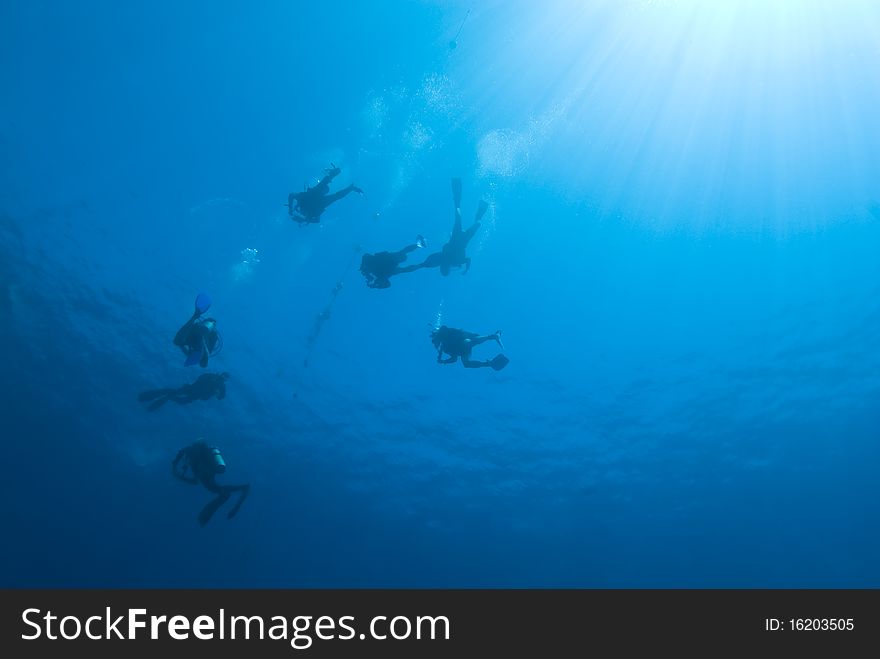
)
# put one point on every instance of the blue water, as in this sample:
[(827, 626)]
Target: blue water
[(681, 249)]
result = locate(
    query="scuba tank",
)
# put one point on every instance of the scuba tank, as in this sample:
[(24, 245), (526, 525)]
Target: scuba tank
[(217, 462)]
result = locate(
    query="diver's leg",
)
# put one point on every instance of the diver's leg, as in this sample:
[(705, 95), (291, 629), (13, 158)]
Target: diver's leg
[(182, 395), (158, 397), (245, 490), (331, 174), (468, 363), (471, 232), (432, 261), (399, 256), (336, 196), (456, 227), (212, 507), (323, 186), (409, 268), (153, 394), (156, 404), (456, 192), (477, 340)]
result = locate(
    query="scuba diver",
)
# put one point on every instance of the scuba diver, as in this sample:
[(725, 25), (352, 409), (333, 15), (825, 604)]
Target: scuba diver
[(206, 386), (199, 338), (453, 254), (205, 463), (306, 207), (378, 268), (459, 343)]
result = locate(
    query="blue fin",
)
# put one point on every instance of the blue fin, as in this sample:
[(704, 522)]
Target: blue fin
[(203, 303), (193, 358)]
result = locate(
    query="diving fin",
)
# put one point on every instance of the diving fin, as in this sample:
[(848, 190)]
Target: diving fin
[(208, 511), (232, 513), (456, 192), (498, 362), (481, 210), (193, 358), (203, 303)]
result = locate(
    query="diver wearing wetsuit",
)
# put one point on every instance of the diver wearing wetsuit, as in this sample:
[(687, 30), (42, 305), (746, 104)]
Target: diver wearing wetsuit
[(453, 255), (205, 462), (306, 207), (378, 268), (206, 386), (458, 344), (198, 339)]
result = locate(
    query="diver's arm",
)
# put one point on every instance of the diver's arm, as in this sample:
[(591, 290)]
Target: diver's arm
[(293, 200), (451, 360), (330, 174), (181, 474), (467, 265), (192, 480)]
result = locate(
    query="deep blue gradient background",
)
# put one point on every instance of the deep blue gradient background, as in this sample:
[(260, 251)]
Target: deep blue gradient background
[(681, 250)]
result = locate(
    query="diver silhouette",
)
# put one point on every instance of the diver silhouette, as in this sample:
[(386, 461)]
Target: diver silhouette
[(453, 255), (205, 387), (378, 268), (205, 463), (458, 344), (199, 339), (306, 207)]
